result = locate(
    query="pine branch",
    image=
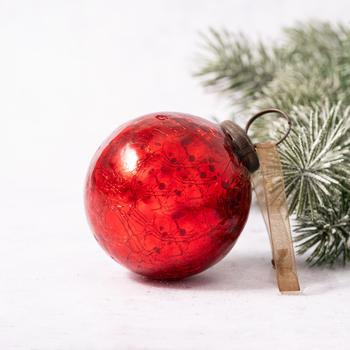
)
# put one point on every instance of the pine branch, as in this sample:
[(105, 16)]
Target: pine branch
[(230, 64), (311, 62), (315, 158), (300, 84), (307, 74), (326, 234)]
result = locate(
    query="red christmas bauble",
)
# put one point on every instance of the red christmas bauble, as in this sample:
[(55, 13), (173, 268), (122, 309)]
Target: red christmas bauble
[(166, 195)]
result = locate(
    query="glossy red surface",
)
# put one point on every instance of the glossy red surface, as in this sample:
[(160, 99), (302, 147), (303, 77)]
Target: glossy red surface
[(165, 195)]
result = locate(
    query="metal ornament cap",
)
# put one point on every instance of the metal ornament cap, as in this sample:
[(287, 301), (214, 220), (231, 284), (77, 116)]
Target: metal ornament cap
[(241, 145)]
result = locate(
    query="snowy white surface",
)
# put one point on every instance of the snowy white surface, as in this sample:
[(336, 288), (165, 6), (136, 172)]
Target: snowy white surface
[(71, 71)]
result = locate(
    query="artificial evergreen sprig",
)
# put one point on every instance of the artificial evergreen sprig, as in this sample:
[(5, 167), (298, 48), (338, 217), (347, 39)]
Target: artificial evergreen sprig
[(232, 65), (306, 74), (310, 63), (315, 158), (327, 233)]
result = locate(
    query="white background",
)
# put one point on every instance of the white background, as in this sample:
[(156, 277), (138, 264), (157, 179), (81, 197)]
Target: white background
[(72, 71)]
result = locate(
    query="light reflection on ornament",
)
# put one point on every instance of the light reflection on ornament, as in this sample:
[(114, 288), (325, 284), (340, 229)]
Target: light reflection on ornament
[(130, 159)]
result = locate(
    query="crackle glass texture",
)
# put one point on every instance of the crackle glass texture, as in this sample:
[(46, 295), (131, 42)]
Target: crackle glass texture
[(166, 196)]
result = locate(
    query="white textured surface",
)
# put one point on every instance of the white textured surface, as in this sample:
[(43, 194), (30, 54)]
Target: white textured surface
[(71, 71)]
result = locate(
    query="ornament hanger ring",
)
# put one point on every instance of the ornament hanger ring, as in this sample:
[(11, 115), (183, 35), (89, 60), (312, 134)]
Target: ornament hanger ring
[(267, 111)]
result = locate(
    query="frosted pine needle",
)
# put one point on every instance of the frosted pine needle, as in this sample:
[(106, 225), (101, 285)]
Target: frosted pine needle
[(327, 234), (315, 158)]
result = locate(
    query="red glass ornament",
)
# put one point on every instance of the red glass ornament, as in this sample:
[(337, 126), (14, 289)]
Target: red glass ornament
[(166, 196)]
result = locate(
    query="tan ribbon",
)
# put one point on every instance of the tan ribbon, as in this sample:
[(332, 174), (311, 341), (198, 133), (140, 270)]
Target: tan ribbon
[(269, 188)]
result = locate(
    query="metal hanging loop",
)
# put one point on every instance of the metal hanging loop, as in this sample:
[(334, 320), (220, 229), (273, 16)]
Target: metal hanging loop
[(267, 111)]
